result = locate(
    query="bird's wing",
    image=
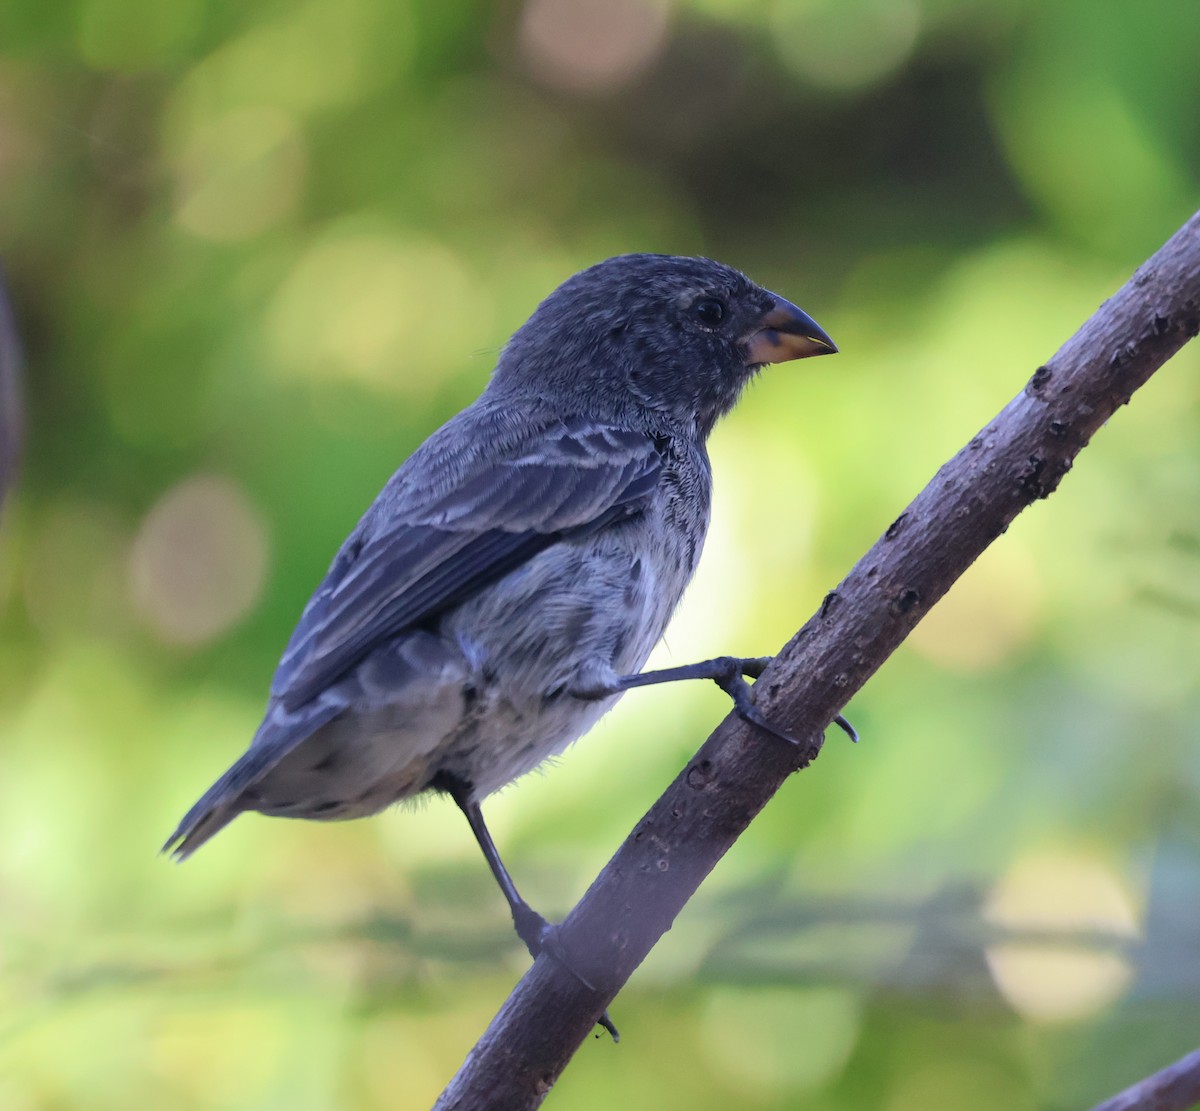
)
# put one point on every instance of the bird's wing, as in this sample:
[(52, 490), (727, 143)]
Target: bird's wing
[(418, 552)]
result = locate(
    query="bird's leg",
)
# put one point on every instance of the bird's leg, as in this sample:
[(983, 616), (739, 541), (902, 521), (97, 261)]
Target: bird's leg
[(531, 927), (728, 672), (537, 934)]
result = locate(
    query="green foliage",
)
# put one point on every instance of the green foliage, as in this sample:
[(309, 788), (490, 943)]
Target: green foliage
[(259, 251)]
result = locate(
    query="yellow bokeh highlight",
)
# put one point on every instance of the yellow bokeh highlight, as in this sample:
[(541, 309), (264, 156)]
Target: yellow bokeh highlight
[(845, 45), (240, 173), (771, 1039), (1059, 892), (367, 303), (988, 615), (301, 58)]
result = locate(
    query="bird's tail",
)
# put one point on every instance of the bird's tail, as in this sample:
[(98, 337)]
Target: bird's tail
[(197, 827), (238, 789), (218, 806)]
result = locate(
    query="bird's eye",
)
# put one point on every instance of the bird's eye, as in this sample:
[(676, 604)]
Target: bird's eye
[(710, 311)]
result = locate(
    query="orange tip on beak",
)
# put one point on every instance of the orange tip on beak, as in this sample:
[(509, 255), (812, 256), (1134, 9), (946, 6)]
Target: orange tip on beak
[(786, 332)]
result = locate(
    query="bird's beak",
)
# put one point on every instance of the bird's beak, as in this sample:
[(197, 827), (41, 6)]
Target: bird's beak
[(785, 332)]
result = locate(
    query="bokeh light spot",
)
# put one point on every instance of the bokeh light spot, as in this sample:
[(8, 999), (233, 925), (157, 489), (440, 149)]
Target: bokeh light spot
[(1086, 155), (591, 45), (987, 616), (362, 303), (199, 561), (301, 58), (765, 1040), (845, 46), (240, 173), (1058, 892)]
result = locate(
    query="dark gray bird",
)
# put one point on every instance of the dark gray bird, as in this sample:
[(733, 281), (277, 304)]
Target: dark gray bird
[(514, 574)]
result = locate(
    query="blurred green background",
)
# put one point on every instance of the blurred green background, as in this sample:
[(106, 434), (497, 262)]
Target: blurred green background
[(259, 251)]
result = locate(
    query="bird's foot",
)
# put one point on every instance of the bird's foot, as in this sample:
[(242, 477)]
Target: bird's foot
[(731, 678), (539, 937), (728, 672), (532, 929)]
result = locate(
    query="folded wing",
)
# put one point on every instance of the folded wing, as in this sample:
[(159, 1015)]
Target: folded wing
[(423, 551)]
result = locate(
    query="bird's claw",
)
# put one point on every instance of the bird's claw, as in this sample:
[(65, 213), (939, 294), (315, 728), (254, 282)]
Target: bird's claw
[(733, 682), (607, 1023), (841, 722)]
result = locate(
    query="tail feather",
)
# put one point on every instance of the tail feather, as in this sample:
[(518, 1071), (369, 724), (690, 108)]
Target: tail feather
[(193, 831), (219, 805), (279, 734)]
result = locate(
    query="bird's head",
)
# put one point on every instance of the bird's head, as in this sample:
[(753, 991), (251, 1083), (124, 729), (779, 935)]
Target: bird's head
[(665, 340)]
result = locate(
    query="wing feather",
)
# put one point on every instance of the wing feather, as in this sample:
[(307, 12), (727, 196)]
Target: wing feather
[(416, 554)]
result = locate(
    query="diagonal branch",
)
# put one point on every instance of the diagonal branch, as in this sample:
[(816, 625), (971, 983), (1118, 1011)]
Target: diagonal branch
[(1019, 457), (1175, 1088)]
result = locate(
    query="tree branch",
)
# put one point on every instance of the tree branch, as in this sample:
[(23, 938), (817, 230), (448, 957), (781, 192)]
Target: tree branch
[(1019, 457), (1175, 1088)]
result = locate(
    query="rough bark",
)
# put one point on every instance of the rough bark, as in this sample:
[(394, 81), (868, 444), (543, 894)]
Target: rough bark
[(1175, 1088), (1019, 457)]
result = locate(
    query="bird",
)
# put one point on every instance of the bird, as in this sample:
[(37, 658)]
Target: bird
[(509, 582)]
